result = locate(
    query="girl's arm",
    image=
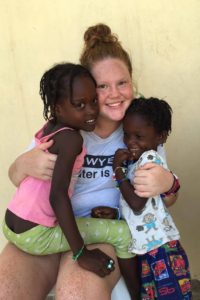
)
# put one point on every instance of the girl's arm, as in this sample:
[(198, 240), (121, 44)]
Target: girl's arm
[(68, 144), (135, 202), (36, 163)]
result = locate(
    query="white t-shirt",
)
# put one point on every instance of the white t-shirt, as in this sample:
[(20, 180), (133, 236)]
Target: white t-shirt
[(95, 185)]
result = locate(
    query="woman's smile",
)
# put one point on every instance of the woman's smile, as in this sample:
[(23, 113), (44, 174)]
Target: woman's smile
[(114, 88)]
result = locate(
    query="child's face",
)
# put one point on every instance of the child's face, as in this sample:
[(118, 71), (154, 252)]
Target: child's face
[(82, 111), (139, 135)]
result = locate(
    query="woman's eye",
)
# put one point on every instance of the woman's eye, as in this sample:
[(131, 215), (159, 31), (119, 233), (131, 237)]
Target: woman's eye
[(102, 86), (123, 82)]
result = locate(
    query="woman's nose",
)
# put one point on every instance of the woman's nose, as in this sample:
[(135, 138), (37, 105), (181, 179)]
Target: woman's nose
[(114, 92)]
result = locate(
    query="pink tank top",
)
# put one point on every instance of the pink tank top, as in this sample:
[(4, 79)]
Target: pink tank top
[(31, 200)]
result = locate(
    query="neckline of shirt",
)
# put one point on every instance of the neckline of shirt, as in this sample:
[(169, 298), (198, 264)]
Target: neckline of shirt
[(95, 137)]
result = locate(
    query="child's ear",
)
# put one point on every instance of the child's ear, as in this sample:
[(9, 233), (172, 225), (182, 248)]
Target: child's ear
[(58, 109), (163, 137)]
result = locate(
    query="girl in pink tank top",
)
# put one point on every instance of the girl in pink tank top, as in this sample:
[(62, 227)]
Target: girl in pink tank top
[(70, 103)]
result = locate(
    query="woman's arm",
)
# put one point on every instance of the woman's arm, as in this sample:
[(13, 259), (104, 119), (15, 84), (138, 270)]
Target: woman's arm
[(36, 163), (153, 179)]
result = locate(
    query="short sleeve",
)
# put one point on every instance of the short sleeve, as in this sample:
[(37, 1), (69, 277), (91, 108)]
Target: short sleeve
[(151, 157), (31, 146), (161, 151)]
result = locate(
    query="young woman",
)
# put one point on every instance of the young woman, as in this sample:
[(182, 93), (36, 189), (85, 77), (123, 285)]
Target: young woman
[(110, 65)]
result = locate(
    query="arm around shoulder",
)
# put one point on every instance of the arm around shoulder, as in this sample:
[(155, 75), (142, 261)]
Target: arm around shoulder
[(15, 171), (36, 163)]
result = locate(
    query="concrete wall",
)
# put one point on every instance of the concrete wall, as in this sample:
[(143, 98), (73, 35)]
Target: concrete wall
[(164, 42)]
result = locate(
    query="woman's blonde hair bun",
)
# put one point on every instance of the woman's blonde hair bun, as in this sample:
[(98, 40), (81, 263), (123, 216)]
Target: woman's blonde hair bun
[(100, 43), (99, 33)]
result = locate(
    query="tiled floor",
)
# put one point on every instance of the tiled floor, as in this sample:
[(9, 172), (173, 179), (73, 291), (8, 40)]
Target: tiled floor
[(195, 291)]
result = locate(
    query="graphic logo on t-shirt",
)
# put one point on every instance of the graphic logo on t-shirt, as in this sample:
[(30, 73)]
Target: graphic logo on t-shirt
[(92, 161), (96, 166)]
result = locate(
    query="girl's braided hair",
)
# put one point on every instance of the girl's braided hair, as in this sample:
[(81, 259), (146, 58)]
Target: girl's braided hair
[(156, 111), (57, 84)]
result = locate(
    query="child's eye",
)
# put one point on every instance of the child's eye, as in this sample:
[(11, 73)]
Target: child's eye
[(138, 136), (80, 105)]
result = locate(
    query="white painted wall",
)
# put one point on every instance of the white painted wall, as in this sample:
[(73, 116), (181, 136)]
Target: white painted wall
[(164, 42)]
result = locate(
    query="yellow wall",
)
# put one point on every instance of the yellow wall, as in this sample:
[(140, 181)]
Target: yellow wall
[(163, 39)]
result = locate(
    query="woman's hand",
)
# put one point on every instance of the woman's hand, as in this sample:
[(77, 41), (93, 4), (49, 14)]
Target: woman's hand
[(151, 180), (96, 261), (36, 163)]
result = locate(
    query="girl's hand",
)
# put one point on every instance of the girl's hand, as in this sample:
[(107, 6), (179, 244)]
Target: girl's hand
[(36, 163), (96, 261), (104, 212), (151, 180), (121, 155)]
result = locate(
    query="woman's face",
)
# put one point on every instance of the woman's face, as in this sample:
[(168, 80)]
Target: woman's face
[(114, 88)]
